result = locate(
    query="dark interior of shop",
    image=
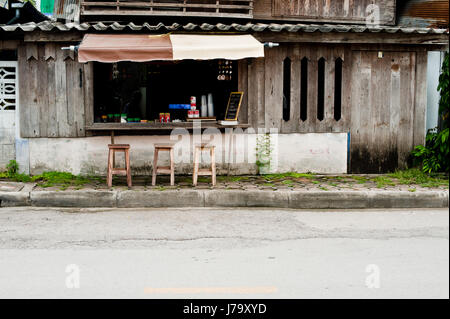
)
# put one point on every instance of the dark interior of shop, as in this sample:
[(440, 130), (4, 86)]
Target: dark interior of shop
[(144, 90)]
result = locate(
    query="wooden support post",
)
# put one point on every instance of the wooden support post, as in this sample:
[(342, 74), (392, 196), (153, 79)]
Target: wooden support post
[(155, 166), (196, 163), (172, 168), (110, 168), (213, 166), (114, 154), (230, 147), (128, 168)]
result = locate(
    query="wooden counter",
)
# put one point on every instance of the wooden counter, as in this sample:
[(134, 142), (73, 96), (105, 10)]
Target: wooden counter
[(157, 126)]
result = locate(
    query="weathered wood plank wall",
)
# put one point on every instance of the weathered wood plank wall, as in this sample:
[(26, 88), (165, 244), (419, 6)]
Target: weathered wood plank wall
[(265, 89), (52, 92), (383, 100), (354, 11), (9, 44), (383, 116)]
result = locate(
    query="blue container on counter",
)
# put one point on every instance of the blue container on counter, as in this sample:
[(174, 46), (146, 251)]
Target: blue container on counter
[(179, 106)]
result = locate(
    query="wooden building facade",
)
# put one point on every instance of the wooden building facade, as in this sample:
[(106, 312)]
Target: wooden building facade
[(331, 73)]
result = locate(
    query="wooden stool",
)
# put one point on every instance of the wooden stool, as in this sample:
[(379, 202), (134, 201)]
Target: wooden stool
[(113, 148), (204, 172), (163, 169)]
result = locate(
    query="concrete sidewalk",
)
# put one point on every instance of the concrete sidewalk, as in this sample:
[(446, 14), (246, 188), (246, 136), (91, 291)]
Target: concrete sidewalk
[(26, 194)]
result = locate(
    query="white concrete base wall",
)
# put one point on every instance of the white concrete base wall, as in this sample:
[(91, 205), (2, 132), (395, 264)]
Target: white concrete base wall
[(315, 152), (324, 153), (7, 138)]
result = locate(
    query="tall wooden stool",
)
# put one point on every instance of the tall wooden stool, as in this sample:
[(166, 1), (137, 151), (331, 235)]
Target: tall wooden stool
[(204, 172), (164, 169), (113, 148)]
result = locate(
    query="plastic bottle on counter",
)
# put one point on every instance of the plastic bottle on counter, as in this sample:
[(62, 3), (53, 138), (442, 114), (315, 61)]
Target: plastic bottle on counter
[(210, 105), (204, 106)]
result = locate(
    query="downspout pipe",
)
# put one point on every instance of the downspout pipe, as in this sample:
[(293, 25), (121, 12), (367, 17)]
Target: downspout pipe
[(15, 18), (17, 6)]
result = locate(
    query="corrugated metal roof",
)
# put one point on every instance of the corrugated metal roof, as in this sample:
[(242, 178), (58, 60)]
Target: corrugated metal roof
[(249, 27)]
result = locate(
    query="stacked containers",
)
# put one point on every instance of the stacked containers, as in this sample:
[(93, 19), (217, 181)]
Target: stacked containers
[(193, 112)]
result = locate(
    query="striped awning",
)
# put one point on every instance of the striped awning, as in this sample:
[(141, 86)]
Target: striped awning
[(167, 47)]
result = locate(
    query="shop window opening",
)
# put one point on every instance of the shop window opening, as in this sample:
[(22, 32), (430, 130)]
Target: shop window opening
[(141, 92), (286, 89), (338, 89), (321, 89), (304, 90)]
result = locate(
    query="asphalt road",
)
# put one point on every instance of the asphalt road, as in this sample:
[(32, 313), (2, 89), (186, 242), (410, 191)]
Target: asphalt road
[(223, 253)]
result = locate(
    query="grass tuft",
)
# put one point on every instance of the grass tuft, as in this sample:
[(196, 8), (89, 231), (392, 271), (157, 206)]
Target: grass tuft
[(415, 176), (360, 179), (62, 179), (383, 181)]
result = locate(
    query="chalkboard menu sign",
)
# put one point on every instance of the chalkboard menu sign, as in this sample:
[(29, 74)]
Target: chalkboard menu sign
[(234, 104)]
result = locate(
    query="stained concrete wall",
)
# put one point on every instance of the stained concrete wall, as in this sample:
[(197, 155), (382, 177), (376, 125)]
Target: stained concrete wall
[(7, 138), (312, 152)]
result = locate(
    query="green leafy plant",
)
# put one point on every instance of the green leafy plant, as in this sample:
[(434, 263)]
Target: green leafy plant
[(12, 173), (263, 153), (444, 88), (433, 157), (22, 178), (12, 168)]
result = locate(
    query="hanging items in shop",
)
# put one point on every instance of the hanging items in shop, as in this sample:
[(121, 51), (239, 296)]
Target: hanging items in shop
[(225, 70), (115, 71)]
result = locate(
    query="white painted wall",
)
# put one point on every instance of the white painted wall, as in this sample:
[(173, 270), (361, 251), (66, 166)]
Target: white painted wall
[(8, 111), (7, 137), (435, 59), (315, 152)]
